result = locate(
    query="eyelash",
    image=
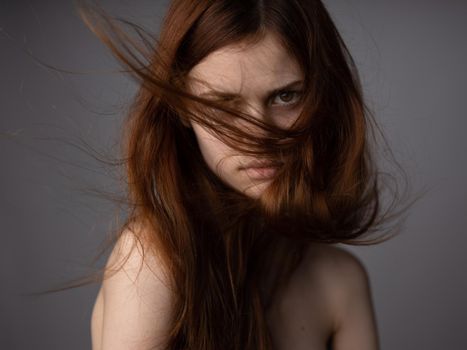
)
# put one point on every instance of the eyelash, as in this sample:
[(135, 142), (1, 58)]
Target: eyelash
[(287, 104), (296, 93)]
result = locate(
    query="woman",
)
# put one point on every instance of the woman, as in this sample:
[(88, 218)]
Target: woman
[(247, 158)]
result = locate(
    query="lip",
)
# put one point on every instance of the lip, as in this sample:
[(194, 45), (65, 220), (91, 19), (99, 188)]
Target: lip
[(260, 169), (261, 173)]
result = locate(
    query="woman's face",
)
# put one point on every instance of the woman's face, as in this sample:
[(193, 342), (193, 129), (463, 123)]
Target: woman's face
[(248, 75)]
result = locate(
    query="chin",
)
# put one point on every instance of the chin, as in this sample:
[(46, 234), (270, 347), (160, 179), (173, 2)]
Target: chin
[(256, 190)]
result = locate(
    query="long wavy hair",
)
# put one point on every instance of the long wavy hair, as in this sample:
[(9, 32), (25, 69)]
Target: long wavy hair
[(227, 254)]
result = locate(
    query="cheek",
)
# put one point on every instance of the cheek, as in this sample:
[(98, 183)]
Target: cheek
[(285, 119), (212, 149)]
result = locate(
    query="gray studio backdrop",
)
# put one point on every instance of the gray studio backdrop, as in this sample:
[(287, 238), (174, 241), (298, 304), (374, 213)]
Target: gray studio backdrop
[(411, 56)]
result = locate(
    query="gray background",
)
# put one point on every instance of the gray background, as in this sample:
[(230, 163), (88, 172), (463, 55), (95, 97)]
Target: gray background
[(411, 56)]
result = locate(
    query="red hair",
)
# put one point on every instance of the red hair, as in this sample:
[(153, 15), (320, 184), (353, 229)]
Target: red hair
[(217, 245)]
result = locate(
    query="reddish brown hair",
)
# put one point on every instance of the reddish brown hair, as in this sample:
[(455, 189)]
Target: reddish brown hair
[(217, 244)]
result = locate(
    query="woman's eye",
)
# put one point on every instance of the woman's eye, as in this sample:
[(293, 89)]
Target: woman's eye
[(287, 98)]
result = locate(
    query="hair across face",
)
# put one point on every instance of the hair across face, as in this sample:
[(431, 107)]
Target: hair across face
[(283, 65), (262, 79)]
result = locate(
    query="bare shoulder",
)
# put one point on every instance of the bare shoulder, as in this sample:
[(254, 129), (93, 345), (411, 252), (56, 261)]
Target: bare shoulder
[(134, 304), (342, 281), (336, 265), (132, 255)]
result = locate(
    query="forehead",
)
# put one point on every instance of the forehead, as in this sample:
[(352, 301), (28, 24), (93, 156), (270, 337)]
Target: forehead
[(246, 68)]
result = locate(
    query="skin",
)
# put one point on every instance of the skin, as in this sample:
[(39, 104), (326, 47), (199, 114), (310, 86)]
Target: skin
[(250, 72), (328, 295)]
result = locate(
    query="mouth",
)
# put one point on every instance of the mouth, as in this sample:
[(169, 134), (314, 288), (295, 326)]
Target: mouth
[(261, 169)]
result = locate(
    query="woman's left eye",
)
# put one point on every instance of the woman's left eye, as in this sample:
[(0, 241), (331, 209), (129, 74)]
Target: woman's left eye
[(287, 98)]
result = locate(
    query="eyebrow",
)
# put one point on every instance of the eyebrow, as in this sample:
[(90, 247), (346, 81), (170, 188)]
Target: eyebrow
[(233, 96)]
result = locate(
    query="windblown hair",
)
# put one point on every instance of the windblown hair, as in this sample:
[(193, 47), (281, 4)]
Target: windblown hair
[(226, 253)]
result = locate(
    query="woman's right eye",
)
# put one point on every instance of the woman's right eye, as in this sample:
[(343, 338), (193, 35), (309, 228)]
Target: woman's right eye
[(225, 100)]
